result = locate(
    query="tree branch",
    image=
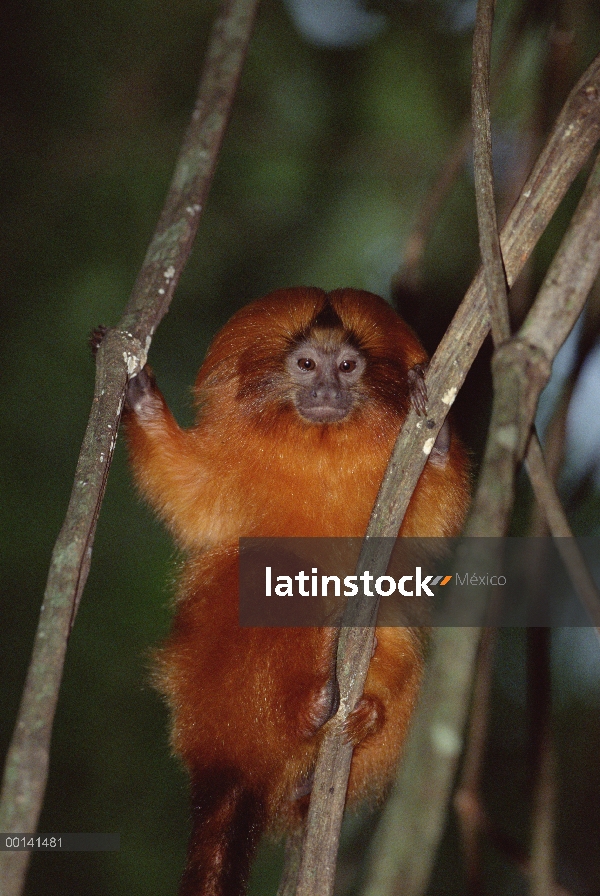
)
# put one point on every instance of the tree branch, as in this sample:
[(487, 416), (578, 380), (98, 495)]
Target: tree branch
[(121, 355), (489, 240), (445, 692), (573, 137), (409, 273), (467, 799), (521, 367)]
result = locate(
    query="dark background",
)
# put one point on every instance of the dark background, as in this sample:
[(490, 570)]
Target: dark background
[(328, 157)]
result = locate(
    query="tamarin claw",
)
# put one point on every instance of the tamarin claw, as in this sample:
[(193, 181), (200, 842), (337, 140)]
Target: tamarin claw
[(96, 337)]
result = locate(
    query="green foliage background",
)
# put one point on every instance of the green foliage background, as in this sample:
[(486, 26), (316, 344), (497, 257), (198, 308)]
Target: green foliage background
[(327, 158)]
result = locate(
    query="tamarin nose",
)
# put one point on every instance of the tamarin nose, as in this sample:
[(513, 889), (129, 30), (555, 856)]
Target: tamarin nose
[(326, 393)]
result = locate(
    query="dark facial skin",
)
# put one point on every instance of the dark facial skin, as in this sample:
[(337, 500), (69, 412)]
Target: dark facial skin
[(325, 379)]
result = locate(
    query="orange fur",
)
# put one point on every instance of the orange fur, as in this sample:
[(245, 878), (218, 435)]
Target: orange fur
[(248, 705)]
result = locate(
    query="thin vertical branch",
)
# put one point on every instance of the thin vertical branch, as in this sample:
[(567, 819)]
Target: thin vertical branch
[(489, 239), (293, 856), (122, 354), (440, 715), (522, 366), (573, 137), (567, 547), (407, 837), (467, 799), (544, 812), (541, 758), (496, 287), (409, 273)]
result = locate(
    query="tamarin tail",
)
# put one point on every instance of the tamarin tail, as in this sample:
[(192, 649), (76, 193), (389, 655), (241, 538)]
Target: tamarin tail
[(227, 822)]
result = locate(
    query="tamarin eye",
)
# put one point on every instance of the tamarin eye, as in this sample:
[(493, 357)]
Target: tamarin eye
[(347, 366), (306, 364)]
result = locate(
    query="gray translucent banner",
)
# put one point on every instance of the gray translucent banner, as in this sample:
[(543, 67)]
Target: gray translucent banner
[(509, 582), (60, 842)]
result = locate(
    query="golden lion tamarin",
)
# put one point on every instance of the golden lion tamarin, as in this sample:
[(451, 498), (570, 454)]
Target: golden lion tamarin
[(300, 400)]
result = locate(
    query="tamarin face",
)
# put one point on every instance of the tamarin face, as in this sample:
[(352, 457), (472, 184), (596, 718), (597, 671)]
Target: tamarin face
[(309, 359), (325, 370), (325, 375)]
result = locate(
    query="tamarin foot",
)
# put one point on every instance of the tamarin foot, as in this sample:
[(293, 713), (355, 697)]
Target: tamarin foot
[(366, 718), (323, 707), (142, 396)]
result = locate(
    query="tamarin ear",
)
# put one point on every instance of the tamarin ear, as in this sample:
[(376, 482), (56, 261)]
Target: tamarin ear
[(301, 398)]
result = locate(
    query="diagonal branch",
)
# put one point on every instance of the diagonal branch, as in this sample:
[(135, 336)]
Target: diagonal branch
[(522, 365), (121, 355), (573, 137), (445, 693)]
